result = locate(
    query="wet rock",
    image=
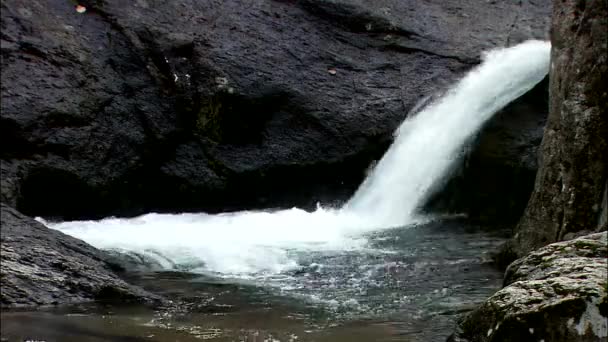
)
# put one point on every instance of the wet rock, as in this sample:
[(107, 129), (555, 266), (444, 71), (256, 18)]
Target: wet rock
[(180, 105), (556, 293), (570, 189), (41, 266)]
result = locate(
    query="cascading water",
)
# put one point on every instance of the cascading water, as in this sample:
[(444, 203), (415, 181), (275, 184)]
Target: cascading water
[(427, 144), (247, 244)]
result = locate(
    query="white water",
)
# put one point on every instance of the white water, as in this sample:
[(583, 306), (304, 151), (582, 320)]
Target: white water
[(427, 144), (246, 243), (234, 244)]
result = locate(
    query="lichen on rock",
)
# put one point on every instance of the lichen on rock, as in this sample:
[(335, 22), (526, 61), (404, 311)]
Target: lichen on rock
[(553, 294)]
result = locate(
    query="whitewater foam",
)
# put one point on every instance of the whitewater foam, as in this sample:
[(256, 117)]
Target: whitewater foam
[(264, 242), (232, 243)]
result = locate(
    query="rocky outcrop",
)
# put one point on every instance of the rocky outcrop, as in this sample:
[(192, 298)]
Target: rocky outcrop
[(212, 105), (557, 293), (41, 266), (571, 182)]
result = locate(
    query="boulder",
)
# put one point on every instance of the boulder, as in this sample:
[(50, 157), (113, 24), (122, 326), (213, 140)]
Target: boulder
[(41, 266), (556, 293), (137, 106)]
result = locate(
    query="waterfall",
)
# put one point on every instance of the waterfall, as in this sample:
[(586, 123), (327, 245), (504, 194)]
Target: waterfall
[(269, 242), (427, 144)]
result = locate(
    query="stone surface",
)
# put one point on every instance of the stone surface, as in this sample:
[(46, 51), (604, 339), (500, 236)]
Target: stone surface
[(139, 106), (556, 293), (41, 266), (572, 179)]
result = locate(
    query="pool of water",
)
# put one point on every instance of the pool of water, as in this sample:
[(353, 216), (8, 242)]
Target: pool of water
[(411, 284)]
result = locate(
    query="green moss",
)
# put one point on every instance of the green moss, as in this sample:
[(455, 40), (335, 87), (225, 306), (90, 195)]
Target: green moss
[(582, 244), (595, 248), (218, 167), (208, 118)]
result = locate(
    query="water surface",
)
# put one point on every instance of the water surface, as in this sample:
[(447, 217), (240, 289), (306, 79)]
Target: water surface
[(410, 285)]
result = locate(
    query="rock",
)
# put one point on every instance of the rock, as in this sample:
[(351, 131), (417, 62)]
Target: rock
[(41, 266), (556, 293), (211, 105), (572, 179)]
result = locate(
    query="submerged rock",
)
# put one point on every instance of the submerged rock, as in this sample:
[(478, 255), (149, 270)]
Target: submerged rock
[(41, 266), (556, 293), (137, 106)]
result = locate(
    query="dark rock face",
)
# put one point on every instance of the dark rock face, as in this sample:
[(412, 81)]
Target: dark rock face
[(557, 293), (41, 266), (212, 105), (571, 183)]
